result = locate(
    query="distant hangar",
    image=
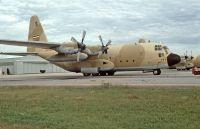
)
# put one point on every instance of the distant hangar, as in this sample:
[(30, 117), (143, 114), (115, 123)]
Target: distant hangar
[(27, 65)]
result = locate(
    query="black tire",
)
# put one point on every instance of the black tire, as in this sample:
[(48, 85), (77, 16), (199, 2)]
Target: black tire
[(86, 74), (102, 73), (111, 73), (157, 72), (187, 68), (95, 74)]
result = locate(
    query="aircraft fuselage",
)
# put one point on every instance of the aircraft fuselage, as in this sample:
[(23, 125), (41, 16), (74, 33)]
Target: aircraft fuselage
[(128, 57)]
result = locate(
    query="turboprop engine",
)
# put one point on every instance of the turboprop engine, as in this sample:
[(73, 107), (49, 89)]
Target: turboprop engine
[(68, 57)]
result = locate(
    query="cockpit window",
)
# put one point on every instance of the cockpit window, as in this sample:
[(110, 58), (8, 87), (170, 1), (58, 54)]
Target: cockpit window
[(166, 49), (158, 47)]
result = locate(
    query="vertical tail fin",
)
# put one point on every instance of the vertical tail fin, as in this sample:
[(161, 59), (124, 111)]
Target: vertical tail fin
[(36, 33)]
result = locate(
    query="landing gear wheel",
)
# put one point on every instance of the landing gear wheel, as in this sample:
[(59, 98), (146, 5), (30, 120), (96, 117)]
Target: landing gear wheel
[(157, 72), (102, 73), (95, 74), (86, 74), (187, 68), (111, 73)]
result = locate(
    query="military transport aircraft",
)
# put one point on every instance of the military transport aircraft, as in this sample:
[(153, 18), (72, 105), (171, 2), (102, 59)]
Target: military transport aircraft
[(104, 59)]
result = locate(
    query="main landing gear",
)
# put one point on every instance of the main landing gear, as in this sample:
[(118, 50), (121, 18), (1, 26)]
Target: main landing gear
[(156, 72), (86, 74), (101, 73)]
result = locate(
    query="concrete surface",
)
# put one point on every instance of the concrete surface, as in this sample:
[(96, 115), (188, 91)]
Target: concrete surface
[(167, 78)]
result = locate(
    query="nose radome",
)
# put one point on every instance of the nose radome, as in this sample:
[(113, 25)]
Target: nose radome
[(173, 59)]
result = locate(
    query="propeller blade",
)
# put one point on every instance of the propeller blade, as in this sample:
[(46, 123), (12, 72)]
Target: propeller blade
[(74, 40), (83, 36), (104, 48), (78, 56), (101, 40), (78, 44), (109, 43)]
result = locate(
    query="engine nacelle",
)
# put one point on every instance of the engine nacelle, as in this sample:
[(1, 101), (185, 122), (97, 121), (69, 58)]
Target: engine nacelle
[(69, 57), (63, 50)]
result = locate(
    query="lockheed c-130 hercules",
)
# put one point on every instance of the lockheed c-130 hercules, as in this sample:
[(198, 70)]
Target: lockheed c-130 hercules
[(95, 60)]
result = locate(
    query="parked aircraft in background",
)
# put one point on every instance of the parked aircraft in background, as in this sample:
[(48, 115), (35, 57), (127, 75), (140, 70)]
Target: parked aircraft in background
[(104, 59), (186, 63)]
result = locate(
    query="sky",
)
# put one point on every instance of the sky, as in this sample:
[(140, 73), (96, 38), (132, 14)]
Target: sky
[(176, 23)]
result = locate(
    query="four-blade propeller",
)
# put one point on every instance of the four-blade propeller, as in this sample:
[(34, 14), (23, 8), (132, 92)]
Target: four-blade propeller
[(81, 45), (104, 48)]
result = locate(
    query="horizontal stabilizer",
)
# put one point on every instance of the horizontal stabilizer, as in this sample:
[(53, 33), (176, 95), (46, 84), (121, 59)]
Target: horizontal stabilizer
[(18, 53)]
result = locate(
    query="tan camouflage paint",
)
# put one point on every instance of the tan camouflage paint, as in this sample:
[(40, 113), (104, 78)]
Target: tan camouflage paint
[(121, 56)]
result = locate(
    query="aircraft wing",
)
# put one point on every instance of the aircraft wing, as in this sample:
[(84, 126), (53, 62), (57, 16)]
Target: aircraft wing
[(18, 53), (38, 44)]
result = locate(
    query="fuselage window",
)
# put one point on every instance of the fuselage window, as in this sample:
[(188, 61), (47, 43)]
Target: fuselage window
[(166, 49), (126, 60), (120, 61), (133, 60)]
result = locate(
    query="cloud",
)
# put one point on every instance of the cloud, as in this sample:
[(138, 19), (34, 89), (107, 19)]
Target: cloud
[(8, 18), (175, 23)]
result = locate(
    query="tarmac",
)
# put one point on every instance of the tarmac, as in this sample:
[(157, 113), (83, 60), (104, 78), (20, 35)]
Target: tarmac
[(167, 78)]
